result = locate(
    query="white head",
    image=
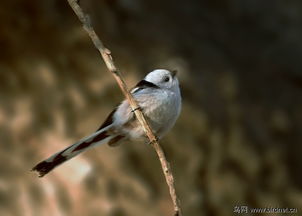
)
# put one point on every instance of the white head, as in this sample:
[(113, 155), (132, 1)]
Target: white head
[(163, 78)]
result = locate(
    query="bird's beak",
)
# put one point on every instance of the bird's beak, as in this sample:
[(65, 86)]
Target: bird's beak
[(173, 72)]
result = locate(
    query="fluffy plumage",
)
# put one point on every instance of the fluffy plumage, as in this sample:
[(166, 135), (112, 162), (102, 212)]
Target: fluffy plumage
[(159, 98)]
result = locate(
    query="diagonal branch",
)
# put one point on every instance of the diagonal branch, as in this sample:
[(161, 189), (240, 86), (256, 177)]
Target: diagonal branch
[(106, 55)]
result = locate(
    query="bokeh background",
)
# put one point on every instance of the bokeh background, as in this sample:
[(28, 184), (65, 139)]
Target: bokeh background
[(238, 141)]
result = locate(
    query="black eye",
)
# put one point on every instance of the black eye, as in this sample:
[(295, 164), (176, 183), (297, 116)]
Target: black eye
[(167, 79)]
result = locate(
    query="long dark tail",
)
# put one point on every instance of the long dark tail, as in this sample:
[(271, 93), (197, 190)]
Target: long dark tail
[(58, 158)]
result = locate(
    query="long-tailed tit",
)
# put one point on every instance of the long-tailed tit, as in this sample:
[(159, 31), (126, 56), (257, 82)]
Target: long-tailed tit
[(158, 97)]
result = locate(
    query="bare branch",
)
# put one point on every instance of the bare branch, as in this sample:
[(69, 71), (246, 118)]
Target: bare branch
[(106, 55)]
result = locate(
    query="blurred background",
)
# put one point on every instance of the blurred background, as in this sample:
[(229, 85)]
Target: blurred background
[(238, 141)]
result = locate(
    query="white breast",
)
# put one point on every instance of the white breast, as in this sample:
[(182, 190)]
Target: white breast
[(162, 110)]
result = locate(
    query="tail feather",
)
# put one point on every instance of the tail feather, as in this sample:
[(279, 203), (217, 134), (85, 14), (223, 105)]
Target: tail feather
[(58, 158)]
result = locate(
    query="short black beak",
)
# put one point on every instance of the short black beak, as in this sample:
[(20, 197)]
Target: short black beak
[(173, 72)]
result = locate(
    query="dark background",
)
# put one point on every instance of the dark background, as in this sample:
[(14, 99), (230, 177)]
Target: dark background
[(238, 141)]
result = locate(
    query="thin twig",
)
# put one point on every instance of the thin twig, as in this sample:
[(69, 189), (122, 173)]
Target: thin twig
[(106, 55)]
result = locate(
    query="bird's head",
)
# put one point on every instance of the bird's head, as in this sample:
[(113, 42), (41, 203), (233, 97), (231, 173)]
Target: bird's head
[(163, 79)]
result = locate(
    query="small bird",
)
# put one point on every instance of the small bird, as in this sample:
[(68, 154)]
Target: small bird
[(158, 97)]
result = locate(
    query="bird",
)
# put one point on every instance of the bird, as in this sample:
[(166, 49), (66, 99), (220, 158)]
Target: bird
[(158, 97)]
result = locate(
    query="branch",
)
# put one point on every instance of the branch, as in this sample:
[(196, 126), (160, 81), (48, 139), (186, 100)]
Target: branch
[(106, 55)]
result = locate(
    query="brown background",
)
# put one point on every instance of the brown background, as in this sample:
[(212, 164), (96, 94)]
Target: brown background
[(238, 141)]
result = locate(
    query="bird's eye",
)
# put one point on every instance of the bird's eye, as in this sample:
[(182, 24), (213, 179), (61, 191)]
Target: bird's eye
[(167, 79)]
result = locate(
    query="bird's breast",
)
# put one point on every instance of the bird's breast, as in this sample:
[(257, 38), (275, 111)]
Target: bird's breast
[(162, 110)]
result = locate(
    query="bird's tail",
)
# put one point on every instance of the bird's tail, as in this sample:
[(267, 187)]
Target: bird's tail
[(60, 157)]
